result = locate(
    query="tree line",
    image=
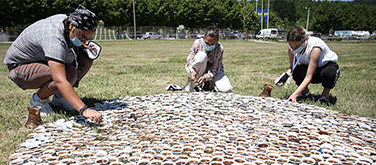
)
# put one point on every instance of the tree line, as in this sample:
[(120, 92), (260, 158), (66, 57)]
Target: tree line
[(325, 16)]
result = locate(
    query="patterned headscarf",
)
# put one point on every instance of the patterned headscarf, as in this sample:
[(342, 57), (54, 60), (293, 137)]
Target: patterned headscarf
[(83, 18)]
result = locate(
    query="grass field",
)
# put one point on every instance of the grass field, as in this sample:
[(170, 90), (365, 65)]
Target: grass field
[(145, 67)]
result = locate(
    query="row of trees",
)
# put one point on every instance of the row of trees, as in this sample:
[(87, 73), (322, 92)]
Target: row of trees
[(325, 16)]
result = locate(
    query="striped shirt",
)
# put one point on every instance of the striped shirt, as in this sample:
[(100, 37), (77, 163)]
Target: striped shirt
[(215, 58), (41, 41)]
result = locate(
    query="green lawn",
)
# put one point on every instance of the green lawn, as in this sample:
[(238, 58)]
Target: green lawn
[(145, 67)]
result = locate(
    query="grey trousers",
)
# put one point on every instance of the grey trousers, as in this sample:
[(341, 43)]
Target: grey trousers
[(220, 80)]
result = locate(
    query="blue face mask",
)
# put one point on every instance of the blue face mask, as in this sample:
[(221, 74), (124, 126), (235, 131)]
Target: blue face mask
[(207, 47), (76, 42)]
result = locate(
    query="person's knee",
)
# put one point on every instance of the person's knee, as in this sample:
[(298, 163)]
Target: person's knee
[(51, 86), (330, 76), (330, 79), (201, 56), (31, 76), (224, 89), (18, 80)]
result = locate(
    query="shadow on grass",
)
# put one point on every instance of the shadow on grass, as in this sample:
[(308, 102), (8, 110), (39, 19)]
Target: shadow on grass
[(88, 101), (315, 98), (91, 101)]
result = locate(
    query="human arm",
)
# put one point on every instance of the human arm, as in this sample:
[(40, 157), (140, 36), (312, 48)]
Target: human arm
[(312, 66), (291, 62), (84, 65), (216, 65), (66, 89), (192, 52)]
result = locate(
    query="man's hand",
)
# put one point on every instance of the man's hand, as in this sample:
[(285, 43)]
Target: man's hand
[(86, 45), (93, 115)]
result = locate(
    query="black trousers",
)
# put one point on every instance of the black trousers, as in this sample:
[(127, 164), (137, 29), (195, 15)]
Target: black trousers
[(327, 75)]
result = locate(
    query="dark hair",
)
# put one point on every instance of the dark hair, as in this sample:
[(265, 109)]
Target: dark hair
[(297, 34), (66, 23), (213, 32)]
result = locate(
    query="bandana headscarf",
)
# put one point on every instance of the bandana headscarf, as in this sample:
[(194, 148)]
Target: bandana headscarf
[(83, 18)]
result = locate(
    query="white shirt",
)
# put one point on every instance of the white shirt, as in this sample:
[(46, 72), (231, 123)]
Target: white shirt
[(326, 54)]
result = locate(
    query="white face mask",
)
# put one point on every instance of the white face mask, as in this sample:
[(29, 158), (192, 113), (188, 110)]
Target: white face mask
[(300, 49)]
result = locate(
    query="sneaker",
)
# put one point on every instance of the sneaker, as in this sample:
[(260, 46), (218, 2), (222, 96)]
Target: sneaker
[(59, 100), (173, 87), (324, 100), (35, 101)]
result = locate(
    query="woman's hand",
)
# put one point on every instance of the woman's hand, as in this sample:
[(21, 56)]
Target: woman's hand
[(201, 80), (288, 71), (292, 98), (193, 75), (312, 66), (93, 115)]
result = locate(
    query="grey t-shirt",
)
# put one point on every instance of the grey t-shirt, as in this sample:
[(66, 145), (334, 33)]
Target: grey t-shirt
[(41, 41)]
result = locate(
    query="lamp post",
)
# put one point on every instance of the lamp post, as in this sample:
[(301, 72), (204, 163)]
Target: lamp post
[(307, 18)]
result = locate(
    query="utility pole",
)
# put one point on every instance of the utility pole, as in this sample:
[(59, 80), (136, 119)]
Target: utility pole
[(134, 22), (262, 14), (256, 9), (307, 18)]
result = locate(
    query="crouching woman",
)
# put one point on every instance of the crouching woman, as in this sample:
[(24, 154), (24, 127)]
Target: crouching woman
[(204, 65), (311, 61)]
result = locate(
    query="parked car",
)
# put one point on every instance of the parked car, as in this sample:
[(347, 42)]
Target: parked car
[(352, 34), (373, 33), (151, 35), (199, 36), (315, 35), (267, 34), (232, 35)]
